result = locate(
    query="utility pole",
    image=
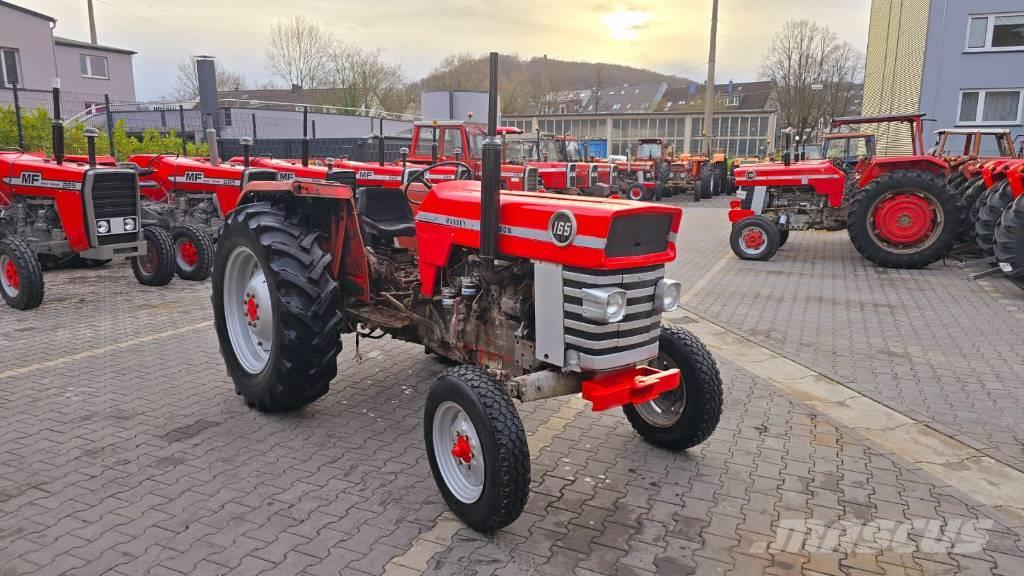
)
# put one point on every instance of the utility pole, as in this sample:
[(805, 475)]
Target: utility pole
[(92, 23), (709, 87)]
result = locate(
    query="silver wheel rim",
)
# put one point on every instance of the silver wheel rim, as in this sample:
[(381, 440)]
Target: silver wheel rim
[(665, 410), (179, 258), (248, 311), (743, 243), (465, 480), (8, 289)]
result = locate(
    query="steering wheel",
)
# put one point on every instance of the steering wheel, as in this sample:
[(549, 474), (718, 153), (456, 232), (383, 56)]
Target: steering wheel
[(421, 175)]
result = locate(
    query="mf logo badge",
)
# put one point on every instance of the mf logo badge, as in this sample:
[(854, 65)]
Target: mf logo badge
[(193, 176), (562, 227), (749, 175), (283, 176), (31, 178)]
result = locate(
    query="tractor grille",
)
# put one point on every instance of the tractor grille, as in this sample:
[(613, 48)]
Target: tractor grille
[(613, 175), (346, 177), (532, 179), (570, 176), (258, 175), (114, 195), (593, 176), (598, 344), (638, 234)]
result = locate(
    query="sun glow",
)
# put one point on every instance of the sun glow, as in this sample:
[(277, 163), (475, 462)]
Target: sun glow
[(624, 24)]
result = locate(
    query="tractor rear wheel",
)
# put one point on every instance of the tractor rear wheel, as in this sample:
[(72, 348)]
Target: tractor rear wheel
[(697, 193), (477, 448), (193, 252), (156, 267), (1009, 241), (905, 219), (783, 237), (21, 275), (971, 192), (275, 308), (683, 417), (755, 238), (996, 202)]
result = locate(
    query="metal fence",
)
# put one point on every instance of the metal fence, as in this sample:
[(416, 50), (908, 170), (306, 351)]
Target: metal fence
[(359, 149)]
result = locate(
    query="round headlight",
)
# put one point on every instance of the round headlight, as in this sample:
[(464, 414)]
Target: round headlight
[(103, 226), (670, 299), (615, 308), (129, 224)]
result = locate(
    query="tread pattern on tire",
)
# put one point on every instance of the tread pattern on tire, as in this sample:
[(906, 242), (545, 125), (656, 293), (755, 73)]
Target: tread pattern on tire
[(1009, 239), (712, 395), (514, 457), (996, 201), (972, 191), (863, 201), (205, 248), (31, 289), (161, 240), (310, 321)]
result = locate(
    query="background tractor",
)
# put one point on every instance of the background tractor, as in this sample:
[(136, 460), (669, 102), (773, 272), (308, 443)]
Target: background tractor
[(898, 210), (532, 295), (54, 210), (643, 175)]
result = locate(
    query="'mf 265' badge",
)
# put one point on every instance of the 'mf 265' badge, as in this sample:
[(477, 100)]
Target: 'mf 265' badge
[(562, 227)]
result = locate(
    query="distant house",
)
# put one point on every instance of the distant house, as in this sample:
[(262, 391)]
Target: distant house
[(31, 56)]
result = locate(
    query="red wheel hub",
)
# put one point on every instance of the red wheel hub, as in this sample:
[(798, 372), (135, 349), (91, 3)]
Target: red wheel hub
[(189, 253), (252, 310), (754, 238), (11, 275), (461, 449), (904, 219)]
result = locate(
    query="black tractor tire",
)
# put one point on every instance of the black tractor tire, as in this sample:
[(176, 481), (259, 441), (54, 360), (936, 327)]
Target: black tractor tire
[(306, 331), (702, 394), (502, 447), (1009, 241), (197, 266), (956, 180), (860, 223), (23, 290), (972, 190), (755, 238), (156, 268), (707, 184), (697, 193), (996, 202), (783, 237)]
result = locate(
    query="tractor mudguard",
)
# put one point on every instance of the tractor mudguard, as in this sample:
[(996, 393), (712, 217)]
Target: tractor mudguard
[(879, 166)]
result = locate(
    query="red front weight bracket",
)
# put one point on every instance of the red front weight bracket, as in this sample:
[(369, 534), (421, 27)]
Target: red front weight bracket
[(631, 386)]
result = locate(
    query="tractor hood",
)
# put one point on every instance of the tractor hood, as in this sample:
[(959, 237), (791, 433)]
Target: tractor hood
[(593, 233), (38, 174), (778, 174)]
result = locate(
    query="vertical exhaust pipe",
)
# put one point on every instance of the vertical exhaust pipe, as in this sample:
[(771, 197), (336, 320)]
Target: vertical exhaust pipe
[(433, 143), (91, 134), (246, 143), (380, 142), (58, 128), (491, 181), (305, 136), (787, 141), (211, 143)]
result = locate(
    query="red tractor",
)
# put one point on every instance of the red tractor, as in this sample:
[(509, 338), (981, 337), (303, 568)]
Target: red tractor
[(1008, 237), (898, 210), (447, 141), (532, 295), (607, 174), (53, 210), (642, 175), (557, 161)]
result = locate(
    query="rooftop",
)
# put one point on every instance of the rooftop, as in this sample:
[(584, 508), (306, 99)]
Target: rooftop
[(27, 11), (78, 44)]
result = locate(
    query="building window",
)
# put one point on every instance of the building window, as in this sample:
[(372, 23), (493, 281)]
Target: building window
[(94, 66), (10, 71), (732, 100), (989, 107), (995, 32)]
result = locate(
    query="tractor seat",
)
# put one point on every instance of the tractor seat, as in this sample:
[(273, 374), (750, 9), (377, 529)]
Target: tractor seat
[(385, 212)]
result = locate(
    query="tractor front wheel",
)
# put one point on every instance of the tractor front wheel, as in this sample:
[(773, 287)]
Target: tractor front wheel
[(989, 213), (193, 252), (905, 219), (683, 417), (755, 238), (21, 275), (1009, 242), (637, 192), (275, 308), (477, 448), (156, 266)]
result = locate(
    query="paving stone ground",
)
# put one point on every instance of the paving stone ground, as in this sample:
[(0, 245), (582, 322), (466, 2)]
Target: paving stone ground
[(124, 450)]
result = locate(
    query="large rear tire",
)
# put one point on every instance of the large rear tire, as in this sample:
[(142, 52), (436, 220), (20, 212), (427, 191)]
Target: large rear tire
[(193, 252), (683, 417), (971, 192), (905, 219), (1009, 241), (275, 308), (477, 448), (996, 202), (156, 267), (21, 275)]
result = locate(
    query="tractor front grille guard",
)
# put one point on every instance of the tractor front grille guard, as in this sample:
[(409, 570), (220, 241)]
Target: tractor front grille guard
[(111, 199), (532, 179)]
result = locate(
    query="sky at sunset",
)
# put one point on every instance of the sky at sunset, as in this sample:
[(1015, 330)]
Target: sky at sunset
[(667, 36)]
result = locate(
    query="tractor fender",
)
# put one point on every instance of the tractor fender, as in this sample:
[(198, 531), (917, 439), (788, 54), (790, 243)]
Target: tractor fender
[(880, 166)]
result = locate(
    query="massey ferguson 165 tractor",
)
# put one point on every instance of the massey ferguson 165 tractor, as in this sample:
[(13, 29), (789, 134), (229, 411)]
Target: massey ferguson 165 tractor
[(55, 210), (189, 197), (557, 160), (642, 175), (601, 177), (898, 210), (533, 295)]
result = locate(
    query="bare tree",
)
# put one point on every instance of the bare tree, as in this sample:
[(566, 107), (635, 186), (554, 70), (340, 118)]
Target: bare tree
[(186, 86), (301, 52), (815, 74), (365, 81)]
